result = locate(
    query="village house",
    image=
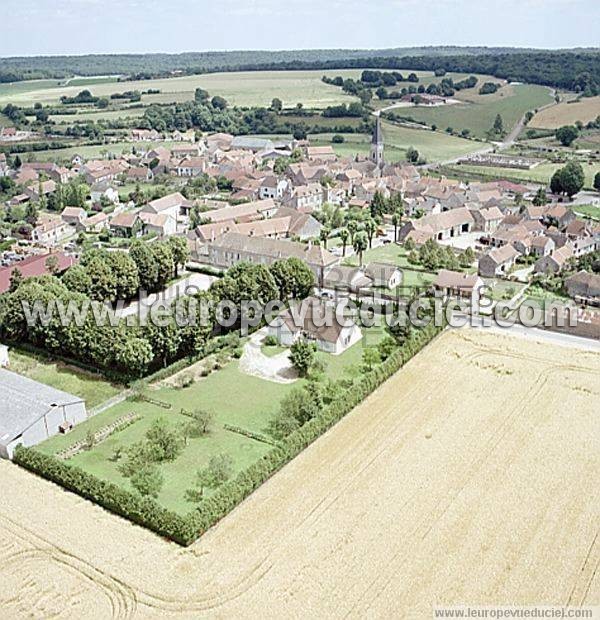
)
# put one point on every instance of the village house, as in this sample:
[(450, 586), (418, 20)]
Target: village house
[(343, 278), (144, 135), (384, 275), (50, 230), (497, 262), (231, 248), (127, 225), (555, 262), (175, 205), (97, 223), (457, 284), (47, 188), (487, 220), (272, 187), (244, 212), (74, 216), (315, 322), (305, 198), (191, 167), (36, 265), (320, 153), (159, 224), (104, 190), (542, 246), (139, 173)]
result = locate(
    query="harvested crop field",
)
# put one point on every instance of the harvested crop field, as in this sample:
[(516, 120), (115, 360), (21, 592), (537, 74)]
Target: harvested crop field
[(481, 490), (585, 109)]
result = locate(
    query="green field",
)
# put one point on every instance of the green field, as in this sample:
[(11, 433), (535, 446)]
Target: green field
[(589, 211), (96, 150), (412, 276), (433, 145), (100, 115), (250, 88), (539, 174), (94, 389), (250, 404), (479, 116)]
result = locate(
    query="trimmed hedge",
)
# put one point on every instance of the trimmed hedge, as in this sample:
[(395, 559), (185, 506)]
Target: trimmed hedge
[(141, 510), (186, 529)]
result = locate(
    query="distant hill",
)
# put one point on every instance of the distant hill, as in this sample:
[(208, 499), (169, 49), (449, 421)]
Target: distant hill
[(562, 65)]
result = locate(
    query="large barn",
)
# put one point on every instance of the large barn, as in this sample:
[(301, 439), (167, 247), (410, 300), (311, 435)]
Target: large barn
[(30, 412)]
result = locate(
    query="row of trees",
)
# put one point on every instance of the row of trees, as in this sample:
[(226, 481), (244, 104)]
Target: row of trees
[(102, 340)]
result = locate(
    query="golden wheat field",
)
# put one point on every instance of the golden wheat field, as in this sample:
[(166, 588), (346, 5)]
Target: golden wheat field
[(585, 109), (471, 477)]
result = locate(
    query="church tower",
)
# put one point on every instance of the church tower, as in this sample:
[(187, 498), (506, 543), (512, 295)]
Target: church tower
[(377, 145)]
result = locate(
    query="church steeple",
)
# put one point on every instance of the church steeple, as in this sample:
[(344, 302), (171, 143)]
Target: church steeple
[(377, 144)]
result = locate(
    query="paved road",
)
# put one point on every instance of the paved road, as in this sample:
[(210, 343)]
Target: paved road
[(533, 333)]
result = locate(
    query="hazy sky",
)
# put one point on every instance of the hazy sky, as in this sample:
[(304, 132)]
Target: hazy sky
[(110, 26)]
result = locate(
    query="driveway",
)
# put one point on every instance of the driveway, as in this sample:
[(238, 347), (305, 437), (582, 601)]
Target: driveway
[(191, 284), (254, 362)]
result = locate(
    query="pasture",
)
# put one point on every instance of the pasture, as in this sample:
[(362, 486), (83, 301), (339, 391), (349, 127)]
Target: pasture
[(540, 174), (511, 102), (464, 466), (435, 146)]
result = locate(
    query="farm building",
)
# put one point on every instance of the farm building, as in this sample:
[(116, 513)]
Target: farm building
[(584, 287), (31, 412), (316, 322), (440, 226), (498, 261)]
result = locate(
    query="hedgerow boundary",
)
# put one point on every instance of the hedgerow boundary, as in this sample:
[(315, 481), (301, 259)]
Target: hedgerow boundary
[(185, 530)]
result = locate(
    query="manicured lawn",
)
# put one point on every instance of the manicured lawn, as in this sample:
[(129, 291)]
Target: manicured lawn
[(235, 398), (479, 115), (93, 389), (272, 350), (397, 255)]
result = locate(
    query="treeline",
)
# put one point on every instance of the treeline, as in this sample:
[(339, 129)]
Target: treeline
[(574, 70), (158, 65), (205, 116), (92, 335)]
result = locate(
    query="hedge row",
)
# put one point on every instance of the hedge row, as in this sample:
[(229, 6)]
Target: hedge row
[(141, 510), (185, 530)]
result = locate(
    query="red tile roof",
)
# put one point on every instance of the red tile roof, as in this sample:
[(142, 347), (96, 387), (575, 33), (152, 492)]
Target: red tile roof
[(34, 266)]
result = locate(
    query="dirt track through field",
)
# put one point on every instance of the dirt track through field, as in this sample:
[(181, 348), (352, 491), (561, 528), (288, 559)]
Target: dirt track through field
[(470, 477)]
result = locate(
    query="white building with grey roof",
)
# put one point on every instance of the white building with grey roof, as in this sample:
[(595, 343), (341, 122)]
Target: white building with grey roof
[(31, 412)]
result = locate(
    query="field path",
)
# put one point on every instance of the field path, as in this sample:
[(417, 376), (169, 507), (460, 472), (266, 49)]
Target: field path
[(481, 490)]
